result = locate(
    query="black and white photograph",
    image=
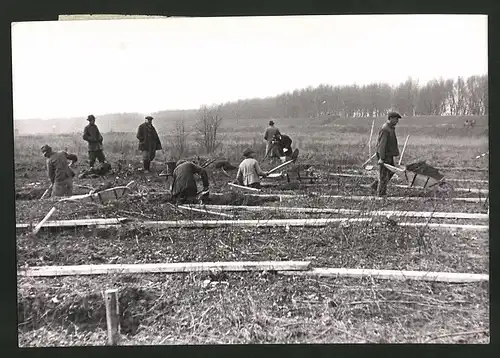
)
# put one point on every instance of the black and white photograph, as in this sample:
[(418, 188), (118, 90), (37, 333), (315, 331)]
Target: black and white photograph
[(309, 179)]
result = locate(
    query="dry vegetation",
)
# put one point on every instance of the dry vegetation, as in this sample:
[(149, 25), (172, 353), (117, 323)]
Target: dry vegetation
[(260, 307)]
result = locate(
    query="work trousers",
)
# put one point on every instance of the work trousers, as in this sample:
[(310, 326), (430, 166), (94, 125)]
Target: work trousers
[(147, 158), (63, 188), (96, 154), (380, 185)]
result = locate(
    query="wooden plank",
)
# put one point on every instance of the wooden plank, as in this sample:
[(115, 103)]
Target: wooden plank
[(76, 223), (243, 187), (367, 198), (418, 214), (449, 277), (449, 226), (39, 226), (179, 267), (204, 211), (248, 223), (403, 152)]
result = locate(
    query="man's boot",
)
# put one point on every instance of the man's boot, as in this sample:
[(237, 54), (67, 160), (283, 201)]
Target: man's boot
[(147, 164)]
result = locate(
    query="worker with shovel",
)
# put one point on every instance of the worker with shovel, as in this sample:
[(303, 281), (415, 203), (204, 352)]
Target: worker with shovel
[(269, 135), (59, 172), (184, 189), (387, 149), (249, 171)]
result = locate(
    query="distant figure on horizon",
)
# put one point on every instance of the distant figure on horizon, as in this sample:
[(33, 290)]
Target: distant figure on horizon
[(58, 171), (94, 138), (387, 149), (149, 142), (270, 133)]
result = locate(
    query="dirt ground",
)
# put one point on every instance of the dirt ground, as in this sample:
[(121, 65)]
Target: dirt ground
[(252, 307)]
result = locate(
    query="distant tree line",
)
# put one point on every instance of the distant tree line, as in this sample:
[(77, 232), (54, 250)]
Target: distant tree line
[(437, 97)]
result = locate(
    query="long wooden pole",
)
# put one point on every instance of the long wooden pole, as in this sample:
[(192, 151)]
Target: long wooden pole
[(449, 277), (39, 226), (403, 152), (370, 140)]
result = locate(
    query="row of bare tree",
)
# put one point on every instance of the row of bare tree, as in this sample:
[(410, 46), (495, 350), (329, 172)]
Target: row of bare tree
[(437, 97)]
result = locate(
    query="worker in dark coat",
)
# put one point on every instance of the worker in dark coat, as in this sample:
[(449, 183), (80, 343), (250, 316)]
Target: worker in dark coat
[(59, 172), (94, 138), (270, 133), (387, 149), (149, 142), (184, 188)]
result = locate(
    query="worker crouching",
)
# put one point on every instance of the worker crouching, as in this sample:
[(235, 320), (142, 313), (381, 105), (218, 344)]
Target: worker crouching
[(59, 172), (184, 188), (249, 171)]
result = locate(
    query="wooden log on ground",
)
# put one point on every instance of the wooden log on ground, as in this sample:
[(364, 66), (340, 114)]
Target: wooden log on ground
[(77, 223), (448, 226), (449, 277), (417, 214), (249, 223), (112, 316), (180, 267)]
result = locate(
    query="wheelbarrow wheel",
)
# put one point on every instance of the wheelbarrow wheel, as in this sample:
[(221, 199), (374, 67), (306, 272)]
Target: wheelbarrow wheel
[(444, 190)]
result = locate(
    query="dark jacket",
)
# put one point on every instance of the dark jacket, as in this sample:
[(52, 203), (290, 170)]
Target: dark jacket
[(270, 133), (148, 138), (58, 169), (92, 135), (184, 182), (284, 142), (387, 143)]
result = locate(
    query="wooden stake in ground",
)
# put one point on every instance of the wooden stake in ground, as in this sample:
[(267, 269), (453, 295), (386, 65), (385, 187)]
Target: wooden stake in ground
[(370, 140), (39, 226), (112, 316), (403, 152)]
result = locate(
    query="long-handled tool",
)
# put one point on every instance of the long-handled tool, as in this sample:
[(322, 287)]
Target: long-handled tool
[(47, 192), (370, 140), (403, 152)]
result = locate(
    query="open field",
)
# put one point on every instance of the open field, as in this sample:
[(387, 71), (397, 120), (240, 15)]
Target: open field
[(262, 307)]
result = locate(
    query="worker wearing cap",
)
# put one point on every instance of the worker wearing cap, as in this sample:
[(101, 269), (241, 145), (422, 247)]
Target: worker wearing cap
[(249, 171), (270, 133), (184, 189), (387, 149), (59, 172), (149, 142), (94, 138)]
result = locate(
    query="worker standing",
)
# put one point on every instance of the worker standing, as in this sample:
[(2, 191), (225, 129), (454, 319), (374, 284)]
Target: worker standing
[(149, 142), (269, 135), (387, 149), (94, 139)]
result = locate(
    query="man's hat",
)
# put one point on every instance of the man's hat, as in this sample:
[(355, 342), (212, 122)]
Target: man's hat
[(393, 115), (248, 151), (90, 117), (271, 123), (46, 148), (149, 118)]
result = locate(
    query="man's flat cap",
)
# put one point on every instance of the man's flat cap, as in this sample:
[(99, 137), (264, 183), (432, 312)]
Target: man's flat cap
[(46, 148), (149, 118), (90, 117), (248, 151), (393, 115)]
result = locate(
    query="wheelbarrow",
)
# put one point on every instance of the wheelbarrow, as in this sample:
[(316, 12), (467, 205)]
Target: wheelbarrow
[(416, 179)]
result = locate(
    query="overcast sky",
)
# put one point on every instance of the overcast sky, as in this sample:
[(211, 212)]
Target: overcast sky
[(73, 68)]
